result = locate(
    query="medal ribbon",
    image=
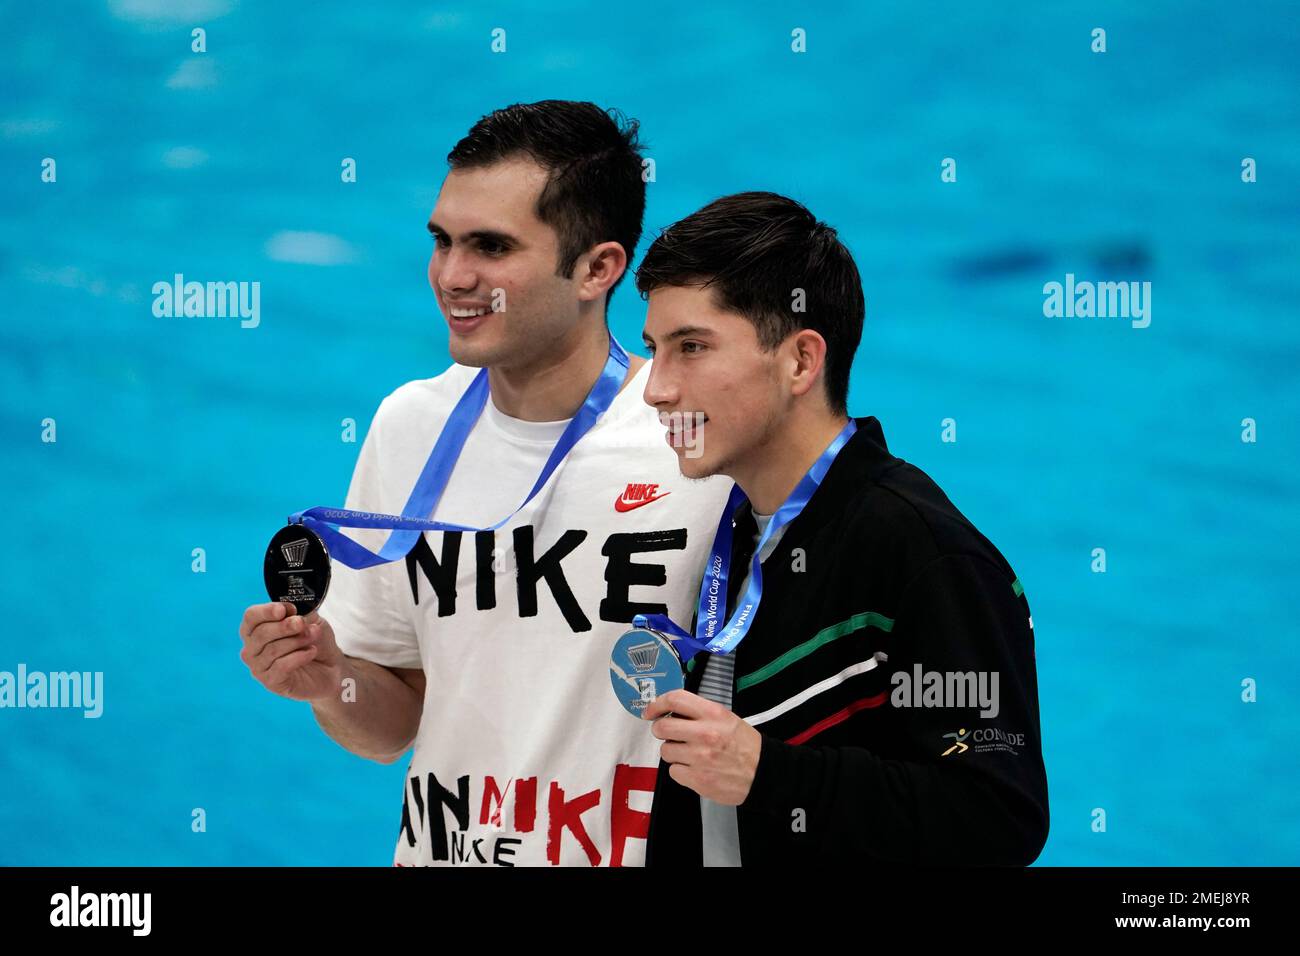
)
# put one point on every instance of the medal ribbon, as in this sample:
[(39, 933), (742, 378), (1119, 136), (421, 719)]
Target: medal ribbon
[(407, 527), (711, 634)]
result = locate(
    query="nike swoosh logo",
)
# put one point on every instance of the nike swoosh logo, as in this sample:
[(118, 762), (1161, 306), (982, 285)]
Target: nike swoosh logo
[(621, 505)]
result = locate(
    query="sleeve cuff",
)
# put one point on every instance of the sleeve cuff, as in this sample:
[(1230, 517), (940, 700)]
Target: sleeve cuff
[(781, 768)]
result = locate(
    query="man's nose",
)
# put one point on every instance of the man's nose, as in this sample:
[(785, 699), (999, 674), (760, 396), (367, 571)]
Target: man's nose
[(660, 389), (454, 271)]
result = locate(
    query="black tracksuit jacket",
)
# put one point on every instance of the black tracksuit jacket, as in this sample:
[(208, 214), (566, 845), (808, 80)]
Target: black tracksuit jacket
[(879, 574)]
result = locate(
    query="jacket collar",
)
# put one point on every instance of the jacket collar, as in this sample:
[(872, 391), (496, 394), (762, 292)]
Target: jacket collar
[(862, 459), (859, 463)]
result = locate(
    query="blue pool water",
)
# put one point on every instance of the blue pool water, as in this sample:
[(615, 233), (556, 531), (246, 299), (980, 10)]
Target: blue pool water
[(1073, 434)]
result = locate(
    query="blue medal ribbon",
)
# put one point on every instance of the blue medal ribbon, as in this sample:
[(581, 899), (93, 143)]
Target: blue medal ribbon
[(711, 633), (409, 525)]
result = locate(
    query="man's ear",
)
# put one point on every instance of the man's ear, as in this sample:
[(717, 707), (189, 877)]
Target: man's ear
[(807, 352), (600, 267)]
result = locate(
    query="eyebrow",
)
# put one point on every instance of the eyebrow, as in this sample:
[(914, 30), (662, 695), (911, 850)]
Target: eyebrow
[(679, 333), (491, 235)]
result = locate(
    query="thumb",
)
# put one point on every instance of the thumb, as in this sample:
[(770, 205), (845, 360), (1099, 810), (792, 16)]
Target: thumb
[(317, 626)]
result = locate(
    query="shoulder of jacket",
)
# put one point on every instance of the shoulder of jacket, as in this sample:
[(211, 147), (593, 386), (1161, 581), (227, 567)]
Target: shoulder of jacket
[(907, 519)]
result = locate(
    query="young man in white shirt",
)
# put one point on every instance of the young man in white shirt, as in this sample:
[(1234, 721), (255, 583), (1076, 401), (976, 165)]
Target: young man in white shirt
[(489, 650)]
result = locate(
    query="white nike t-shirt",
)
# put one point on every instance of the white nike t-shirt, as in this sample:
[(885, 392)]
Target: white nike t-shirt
[(524, 755)]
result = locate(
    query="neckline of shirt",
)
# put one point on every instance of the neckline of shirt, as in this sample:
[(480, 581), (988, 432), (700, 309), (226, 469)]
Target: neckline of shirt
[(538, 433), (548, 433)]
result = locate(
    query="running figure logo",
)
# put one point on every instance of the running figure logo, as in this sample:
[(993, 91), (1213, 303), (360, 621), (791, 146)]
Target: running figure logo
[(959, 737)]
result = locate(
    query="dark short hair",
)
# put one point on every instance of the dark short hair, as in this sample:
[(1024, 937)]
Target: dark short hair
[(595, 191), (754, 250)]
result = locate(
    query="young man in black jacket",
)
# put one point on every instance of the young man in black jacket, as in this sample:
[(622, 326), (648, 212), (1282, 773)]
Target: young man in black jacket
[(881, 704)]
